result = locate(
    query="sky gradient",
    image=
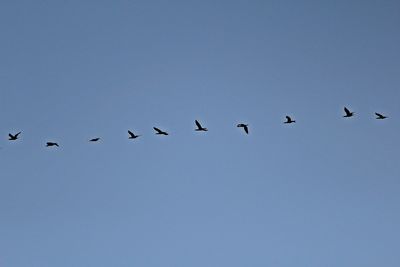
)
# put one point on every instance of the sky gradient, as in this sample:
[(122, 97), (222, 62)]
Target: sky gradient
[(322, 192)]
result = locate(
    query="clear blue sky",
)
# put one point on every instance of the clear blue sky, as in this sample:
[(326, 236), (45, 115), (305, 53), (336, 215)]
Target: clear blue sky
[(322, 192)]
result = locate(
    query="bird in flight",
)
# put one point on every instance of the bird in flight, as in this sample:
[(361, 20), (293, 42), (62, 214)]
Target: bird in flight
[(289, 120), (380, 116), (199, 127), (94, 139), (158, 131), (244, 126), (13, 137), (48, 144), (348, 113), (132, 135)]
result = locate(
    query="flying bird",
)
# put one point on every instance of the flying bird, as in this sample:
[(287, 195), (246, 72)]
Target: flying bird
[(380, 116), (48, 144), (244, 126), (199, 127), (13, 137), (348, 113), (289, 120), (158, 131), (94, 139), (132, 135)]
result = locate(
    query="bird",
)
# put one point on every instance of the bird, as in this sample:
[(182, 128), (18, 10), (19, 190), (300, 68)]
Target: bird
[(13, 137), (132, 135), (348, 113), (244, 126), (48, 144), (289, 120), (158, 131), (379, 116), (94, 139), (199, 127)]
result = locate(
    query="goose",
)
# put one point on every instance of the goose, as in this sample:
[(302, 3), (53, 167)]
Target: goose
[(48, 144), (132, 135), (199, 127), (13, 137), (289, 120), (159, 132), (244, 126), (380, 116), (348, 113)]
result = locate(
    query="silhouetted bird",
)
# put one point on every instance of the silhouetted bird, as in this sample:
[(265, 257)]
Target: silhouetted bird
[(348, 113), (380, 116), (132, 135), (94, 139), (158, 131), (289, 120), (13, 137), (244, 126), (51, 144), (199, 127)]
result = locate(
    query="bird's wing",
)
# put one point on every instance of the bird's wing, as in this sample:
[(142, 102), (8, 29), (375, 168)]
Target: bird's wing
[(157, 130), (378, 114), (347, 111), (246, 129), (288, 118), (17, 134), (198, 124), (131, 134), (10, 135)]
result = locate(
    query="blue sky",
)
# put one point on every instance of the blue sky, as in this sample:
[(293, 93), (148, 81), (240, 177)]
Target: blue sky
[(322, 192)]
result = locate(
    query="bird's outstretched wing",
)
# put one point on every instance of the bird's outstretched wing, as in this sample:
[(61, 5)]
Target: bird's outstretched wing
[(157, 130), (17, 134), (131, 134), (160, 131), (198, 124), (10, 135), (347, 111)]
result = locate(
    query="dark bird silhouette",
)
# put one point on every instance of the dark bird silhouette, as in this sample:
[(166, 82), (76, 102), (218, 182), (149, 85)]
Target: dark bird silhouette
[(289, 120), (244, 126), (94, 139), (48, 144), (199, 127), (132, 135), (348, 113), (13, 137), (158, 131), (380, 116)]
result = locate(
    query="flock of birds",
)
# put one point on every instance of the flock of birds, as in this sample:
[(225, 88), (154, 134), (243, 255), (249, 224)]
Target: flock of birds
[(200, 128)]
